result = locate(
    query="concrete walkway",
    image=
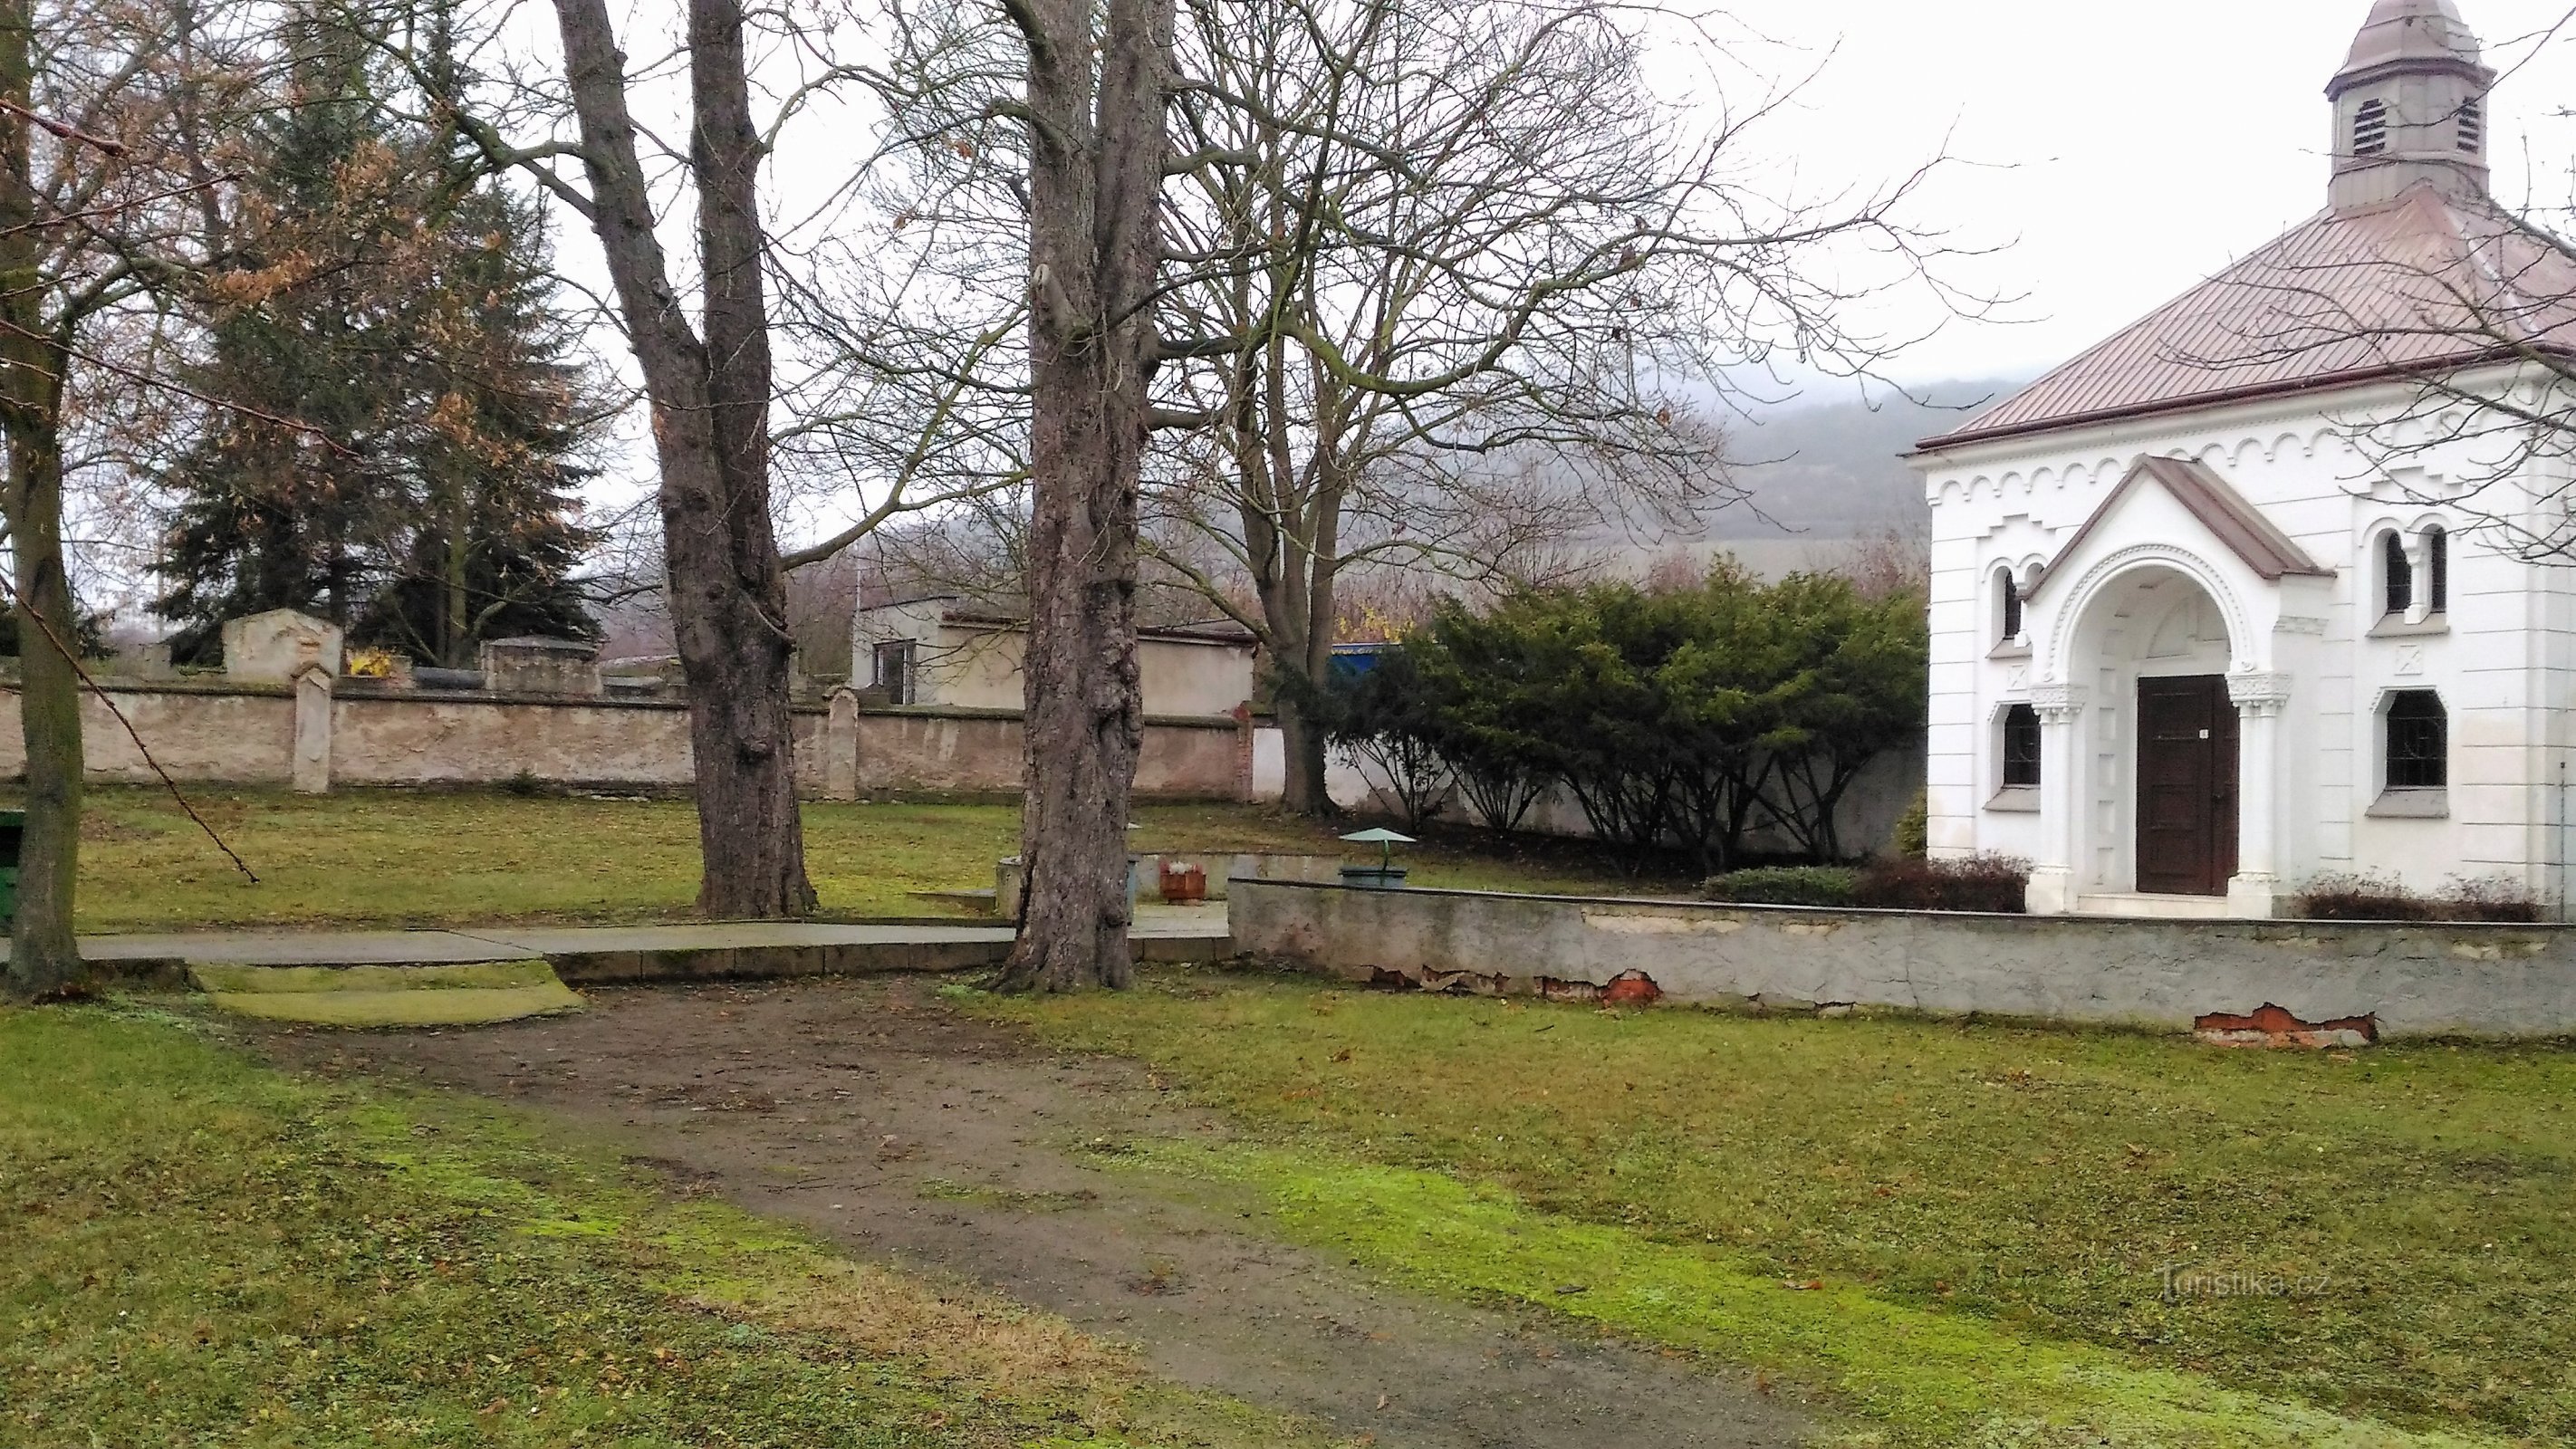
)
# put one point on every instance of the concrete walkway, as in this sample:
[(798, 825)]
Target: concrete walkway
[(636, 953)]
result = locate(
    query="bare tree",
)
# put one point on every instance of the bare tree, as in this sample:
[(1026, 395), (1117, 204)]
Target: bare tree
[(1097, 82), (110, 180), (1468, 290), (2475, 317), (710, 382), (1448, 288)]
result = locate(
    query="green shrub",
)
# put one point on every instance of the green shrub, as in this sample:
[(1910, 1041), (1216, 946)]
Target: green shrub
[(1784, 885), (1991, 883), (1913, 833)]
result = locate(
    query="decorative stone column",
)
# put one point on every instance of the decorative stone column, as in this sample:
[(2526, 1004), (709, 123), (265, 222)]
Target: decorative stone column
[(311, 767), (2061, 796), (2255, 890), (841, 745), (2419, 569)]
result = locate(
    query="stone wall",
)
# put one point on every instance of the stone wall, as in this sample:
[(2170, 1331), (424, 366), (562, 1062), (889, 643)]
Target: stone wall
[(322, 732), (2324, 980)]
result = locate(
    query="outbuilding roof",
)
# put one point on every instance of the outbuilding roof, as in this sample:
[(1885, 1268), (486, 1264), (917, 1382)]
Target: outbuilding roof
[(2221, 509), (2422, 284)]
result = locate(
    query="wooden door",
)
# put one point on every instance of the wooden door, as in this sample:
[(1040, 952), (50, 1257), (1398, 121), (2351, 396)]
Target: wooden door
[(2186, 786)]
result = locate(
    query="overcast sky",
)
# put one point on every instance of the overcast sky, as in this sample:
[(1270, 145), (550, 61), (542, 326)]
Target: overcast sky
[(2112, 153), (2127, 149)]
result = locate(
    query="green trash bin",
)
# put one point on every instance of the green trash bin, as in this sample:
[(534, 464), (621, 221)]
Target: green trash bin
[(13, 829)]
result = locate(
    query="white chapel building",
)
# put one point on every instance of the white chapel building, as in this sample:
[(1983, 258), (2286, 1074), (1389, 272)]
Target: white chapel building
[(2231, 600)]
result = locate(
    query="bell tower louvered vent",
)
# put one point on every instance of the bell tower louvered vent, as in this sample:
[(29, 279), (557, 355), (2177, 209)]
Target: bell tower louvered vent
[(2410, 106)]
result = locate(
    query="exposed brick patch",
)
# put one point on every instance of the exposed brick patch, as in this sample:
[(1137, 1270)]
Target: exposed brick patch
[(2272, 1026), (1631, 988), (1553, 988)]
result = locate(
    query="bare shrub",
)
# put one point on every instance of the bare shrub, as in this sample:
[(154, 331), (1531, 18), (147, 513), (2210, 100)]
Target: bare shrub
[(2357, 896), (2353, 896), (1989, 883)]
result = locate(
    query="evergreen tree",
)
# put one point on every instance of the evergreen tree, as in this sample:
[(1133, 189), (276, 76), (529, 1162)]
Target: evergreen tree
[(506, 416), (410, 456), (272, 514)]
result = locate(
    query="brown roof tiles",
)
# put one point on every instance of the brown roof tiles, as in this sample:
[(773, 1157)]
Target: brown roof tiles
[(2420, 284)]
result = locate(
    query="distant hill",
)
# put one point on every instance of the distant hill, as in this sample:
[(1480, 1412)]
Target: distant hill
[(1831, 470)]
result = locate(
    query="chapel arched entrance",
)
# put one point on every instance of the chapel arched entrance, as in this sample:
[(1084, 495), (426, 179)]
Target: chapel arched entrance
[(2156, 802)]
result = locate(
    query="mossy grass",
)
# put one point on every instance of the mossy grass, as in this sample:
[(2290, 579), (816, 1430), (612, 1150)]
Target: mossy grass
[(204, 1251), (1935, 1378), (2387, 1235), (471, 994), (425, 858)]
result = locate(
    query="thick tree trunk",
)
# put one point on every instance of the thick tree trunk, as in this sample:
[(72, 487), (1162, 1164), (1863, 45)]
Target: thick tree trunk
[(1303, 745), (1298, 609), (43, 959), (44, 962), (1096, 141), (709, 402)]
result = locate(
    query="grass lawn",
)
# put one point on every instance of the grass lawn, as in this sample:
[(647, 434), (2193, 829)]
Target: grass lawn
[(386, 857), (1957, 1226), (203, 1251)]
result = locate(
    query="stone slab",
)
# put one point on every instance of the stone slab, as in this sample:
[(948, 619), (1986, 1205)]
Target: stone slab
[(596, 954)]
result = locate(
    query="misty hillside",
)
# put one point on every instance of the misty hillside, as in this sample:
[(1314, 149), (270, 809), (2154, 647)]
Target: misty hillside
[(1832, 470)]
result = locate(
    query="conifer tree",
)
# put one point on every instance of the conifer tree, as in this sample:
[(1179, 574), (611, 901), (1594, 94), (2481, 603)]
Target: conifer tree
[(402, 309)]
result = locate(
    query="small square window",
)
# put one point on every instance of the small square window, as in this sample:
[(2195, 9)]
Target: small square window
[(2418, 741), (2021, 746)]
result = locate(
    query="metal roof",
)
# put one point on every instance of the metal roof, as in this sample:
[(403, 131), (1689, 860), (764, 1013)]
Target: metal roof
[(2420, 284), (2405, 32), (2221, 509)]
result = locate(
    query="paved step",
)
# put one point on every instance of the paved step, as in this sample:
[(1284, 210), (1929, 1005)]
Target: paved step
[(591, 954)]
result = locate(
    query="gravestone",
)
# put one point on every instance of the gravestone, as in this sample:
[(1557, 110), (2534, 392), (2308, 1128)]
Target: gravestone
[(535, 665), (275, 647)]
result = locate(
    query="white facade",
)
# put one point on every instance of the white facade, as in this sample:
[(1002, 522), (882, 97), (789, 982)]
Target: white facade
[(2243, 588), (2310, 664)]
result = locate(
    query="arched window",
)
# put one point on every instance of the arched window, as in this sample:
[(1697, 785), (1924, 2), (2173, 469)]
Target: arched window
[(2473, 125), (2437, 570), (2397, 575), (2008, 605), (2370, 128), (2418, 739), (2021, 746)]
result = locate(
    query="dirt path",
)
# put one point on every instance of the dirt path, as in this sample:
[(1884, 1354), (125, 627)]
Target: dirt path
[(869, 1112)]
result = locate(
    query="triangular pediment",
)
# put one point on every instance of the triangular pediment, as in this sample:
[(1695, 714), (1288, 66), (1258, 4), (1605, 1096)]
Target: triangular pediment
[(2217, 507)]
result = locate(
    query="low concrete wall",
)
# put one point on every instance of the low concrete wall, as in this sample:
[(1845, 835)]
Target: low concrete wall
[(2398, 979), (320, 732)]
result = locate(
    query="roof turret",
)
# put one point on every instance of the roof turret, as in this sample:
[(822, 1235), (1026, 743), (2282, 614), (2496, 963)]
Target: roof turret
[(2410, 106), (2409, 33)]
